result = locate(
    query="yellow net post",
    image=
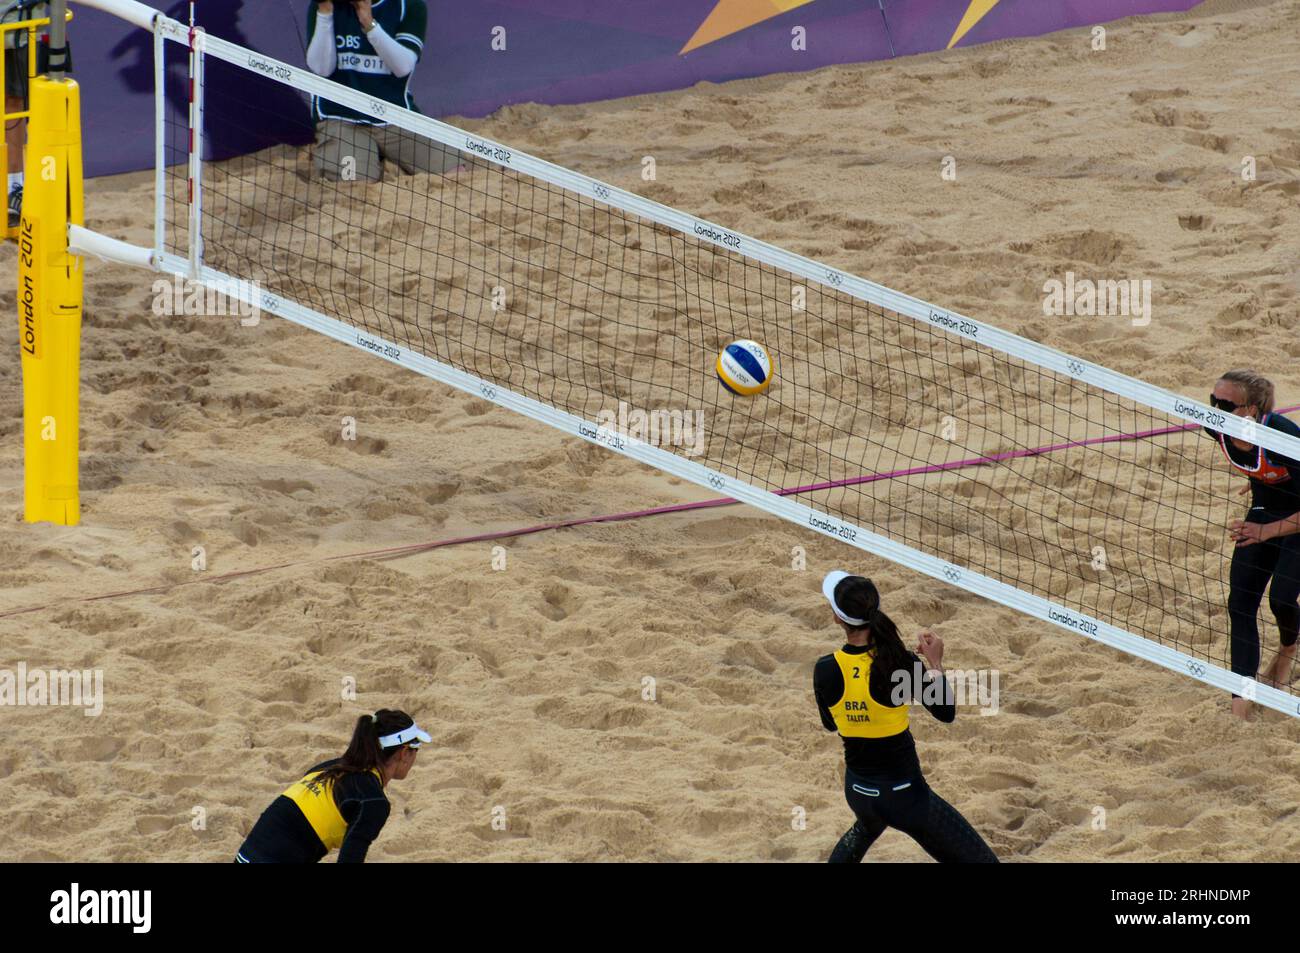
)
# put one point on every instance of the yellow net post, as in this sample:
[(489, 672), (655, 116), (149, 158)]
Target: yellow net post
[(50, 288)]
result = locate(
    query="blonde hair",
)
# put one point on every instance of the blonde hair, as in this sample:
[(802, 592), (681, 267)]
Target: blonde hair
[(1258, 388)]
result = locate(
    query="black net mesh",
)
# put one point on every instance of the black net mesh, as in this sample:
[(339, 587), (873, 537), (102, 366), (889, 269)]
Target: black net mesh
[(945, 445)]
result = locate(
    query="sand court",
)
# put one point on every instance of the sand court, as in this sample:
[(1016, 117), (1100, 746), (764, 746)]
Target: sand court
[(204, 432)]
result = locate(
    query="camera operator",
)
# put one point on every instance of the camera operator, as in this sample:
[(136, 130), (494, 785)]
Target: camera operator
[(373, 48)]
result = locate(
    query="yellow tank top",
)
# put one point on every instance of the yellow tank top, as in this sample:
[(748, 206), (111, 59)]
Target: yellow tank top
[(316, 801), (857, 714)]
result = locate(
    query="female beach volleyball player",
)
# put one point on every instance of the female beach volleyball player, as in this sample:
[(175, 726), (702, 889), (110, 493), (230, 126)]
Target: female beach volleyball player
[(340, 803), (863, 691), (1275, 498)]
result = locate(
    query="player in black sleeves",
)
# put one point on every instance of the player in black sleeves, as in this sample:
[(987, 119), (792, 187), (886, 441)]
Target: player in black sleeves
[(863, 692), (339, 804), (1267, 555)]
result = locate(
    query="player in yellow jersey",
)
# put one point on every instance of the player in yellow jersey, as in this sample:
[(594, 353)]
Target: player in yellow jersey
[(339, 804), (863, 692)]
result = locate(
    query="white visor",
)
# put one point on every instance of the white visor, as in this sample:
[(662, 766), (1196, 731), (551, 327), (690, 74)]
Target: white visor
[(412, 736), (832, 580)]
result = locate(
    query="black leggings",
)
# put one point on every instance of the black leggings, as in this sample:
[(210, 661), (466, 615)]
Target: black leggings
[(914, 809), (1252, 567)]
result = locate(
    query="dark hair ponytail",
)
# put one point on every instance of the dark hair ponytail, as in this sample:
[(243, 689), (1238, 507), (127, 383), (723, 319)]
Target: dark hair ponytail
[(859, 598), (364, 753)]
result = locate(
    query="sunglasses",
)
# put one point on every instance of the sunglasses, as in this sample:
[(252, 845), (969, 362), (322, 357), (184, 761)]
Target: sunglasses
[(1220, 404)]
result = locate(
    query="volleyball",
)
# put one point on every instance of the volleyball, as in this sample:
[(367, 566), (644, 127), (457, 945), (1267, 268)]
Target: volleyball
[(745, 368)]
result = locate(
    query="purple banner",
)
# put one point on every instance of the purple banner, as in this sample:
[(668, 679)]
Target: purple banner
[(923, 26), (556, 51)]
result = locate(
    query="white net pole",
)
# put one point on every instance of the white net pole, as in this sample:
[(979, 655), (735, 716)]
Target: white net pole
[(195, 40)]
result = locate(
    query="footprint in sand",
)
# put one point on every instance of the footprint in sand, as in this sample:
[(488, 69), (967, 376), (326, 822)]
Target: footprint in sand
[(362, 444), (559, 603), (748, 655), (155, 823), (1000, 781), (286, 487)]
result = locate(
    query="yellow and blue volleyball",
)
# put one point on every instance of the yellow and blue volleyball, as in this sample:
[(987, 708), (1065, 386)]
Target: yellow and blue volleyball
[(745, 368)]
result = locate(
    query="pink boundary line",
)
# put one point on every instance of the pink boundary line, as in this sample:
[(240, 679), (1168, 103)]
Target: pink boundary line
[(395, 552), (871, 478)]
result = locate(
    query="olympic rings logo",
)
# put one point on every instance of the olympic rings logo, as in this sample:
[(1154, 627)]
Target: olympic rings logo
[(951, 573), (602, 192), (1076, 367), (835, 278), (716, 482), (1196, 668), (489, 391)]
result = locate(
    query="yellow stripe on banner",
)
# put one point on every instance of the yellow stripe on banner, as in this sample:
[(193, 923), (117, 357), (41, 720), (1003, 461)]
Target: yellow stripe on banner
[(976, 12), (732, 16)]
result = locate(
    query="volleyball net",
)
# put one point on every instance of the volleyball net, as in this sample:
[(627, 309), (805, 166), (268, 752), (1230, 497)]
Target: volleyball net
[(1052, 485)]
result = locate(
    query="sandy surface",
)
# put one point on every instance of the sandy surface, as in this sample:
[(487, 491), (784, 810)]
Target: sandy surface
[(197, 431)]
